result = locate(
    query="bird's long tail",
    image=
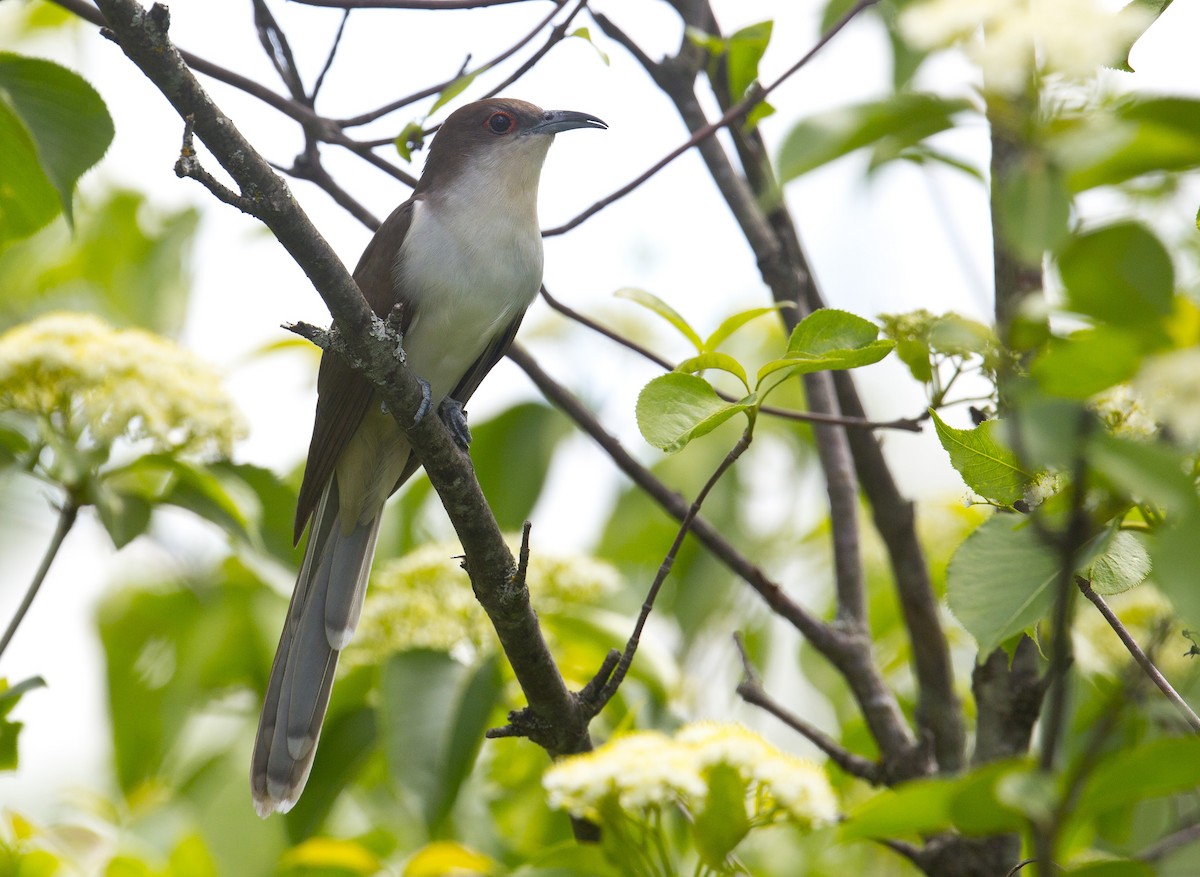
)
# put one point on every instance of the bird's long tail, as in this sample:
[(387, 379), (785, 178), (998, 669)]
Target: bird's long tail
[(324, 611)]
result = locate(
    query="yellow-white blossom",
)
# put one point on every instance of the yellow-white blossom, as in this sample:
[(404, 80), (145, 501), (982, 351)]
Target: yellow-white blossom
[(1169, 384), (648, 769), (1124, 412), (795, 784), (424, 600), (89, 384), (1011, 39), (638, 771)]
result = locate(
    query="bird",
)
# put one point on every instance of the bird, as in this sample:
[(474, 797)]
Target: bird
[(462, 258)]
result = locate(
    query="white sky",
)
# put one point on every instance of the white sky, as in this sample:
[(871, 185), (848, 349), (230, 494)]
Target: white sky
[(906, 240)]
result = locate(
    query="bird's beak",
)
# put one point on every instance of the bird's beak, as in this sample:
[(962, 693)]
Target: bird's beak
[(554, 121)]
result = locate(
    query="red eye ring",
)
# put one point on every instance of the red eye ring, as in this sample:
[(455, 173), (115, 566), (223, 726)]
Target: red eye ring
[(500, 122)]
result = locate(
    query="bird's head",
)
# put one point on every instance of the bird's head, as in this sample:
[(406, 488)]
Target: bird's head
[(496, 143)]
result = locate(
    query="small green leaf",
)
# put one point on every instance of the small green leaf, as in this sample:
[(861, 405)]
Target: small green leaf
[(652, 302), (64, 119), (987, 466), (732, 323), (125, 516), (917, 807), (410, 139), (675, 408), (455, 88), (1110, 868), (827, 330), (1125, 564), (1120, 274), (1001, 580), (586, 35), (723, 822), (10, 730), (801, 364), (744, 49), (722, 361), (903, 121)]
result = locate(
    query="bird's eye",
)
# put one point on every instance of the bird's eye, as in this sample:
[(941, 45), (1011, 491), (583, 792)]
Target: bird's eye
[(500, 123)]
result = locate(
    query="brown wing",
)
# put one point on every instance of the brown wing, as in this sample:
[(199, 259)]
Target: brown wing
[(343, 395)]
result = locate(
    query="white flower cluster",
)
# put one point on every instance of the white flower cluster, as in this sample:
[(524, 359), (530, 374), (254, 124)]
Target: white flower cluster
[(647, 770), (1123, 411), (1011, 39), (424, 600), (83, 380), (1169, 384)]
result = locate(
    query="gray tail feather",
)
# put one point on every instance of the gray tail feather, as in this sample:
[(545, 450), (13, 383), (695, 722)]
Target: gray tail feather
[(325, 608)]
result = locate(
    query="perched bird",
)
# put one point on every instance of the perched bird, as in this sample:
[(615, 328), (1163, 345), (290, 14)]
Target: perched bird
[(463, 257)]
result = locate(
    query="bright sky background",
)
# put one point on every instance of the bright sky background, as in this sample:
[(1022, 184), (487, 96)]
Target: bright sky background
[(908, 239)]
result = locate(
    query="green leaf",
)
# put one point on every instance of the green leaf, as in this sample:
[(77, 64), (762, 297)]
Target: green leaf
[(410, 139), (64, 120), (675, 408), (1086, 362), (1110, 868), (1125, 564), (10, 730), (1120, 274), (1129, 776), (1173, 552), (1148, 472), (722, 823), (902, 121), (125, 516), (586, 35), (828, 330), (28, 199), (1034, 206), (988, 467), (1141, 136), (1001, 580), (917, 807), (743, 51), (512, 481), (434, 713), (127, 260), (657, 305), (732, 323), (721, 361), (455, 88)]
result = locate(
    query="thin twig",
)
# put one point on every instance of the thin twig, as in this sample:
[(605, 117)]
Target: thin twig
[(1170, 843), (811, 627), (754, 95), (664, 569), (406, 4), (66, 519), (750, 689), (1143, 661), (337, 41), (438, 88)]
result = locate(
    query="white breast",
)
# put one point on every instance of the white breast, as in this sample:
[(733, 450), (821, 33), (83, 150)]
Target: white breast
[(469, 266)]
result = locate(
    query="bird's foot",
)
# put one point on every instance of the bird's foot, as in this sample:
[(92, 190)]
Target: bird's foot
[(426, 400), (455, 419)]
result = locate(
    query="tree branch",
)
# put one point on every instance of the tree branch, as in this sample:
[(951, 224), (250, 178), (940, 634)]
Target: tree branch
[(1143, 661), (750, 689)]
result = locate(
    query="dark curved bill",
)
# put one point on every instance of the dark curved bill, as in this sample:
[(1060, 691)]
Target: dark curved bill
[(554, 121)]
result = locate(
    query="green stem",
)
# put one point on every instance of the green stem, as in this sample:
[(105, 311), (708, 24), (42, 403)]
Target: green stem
[(66, 519)]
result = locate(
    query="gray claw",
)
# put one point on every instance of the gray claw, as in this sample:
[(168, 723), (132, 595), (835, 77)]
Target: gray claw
[(426, 401), (455, 419)]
